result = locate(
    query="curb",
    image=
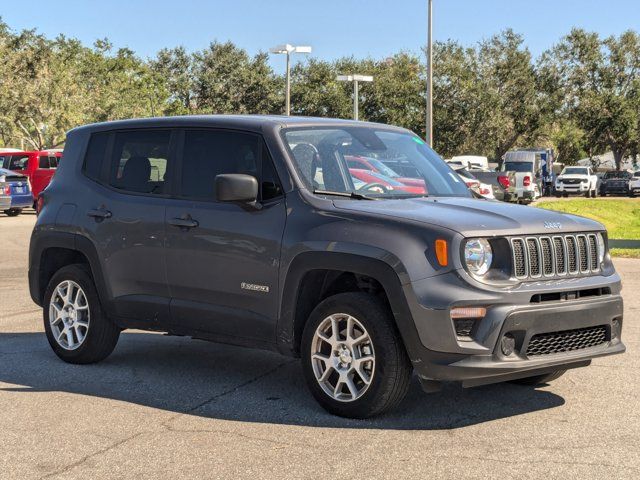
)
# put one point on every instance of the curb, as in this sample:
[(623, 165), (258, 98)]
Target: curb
[(613, 243)]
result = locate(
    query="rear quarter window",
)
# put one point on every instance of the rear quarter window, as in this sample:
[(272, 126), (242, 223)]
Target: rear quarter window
[(94, 157)]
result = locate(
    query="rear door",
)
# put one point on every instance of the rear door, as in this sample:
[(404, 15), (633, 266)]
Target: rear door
[(223, 258), (125, 218)]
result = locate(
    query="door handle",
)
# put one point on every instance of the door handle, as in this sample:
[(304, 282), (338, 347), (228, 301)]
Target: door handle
[(99, 213), (184, 222)]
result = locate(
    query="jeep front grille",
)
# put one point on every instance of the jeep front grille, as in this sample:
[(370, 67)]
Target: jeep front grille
[(566, 341), (555, 256)]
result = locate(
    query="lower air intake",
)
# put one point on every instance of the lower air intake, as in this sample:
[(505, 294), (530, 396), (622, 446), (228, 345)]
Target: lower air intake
[(566, 341)]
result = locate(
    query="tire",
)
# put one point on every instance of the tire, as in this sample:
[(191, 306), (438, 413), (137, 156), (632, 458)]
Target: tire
[(95, 341), (13, 212), (594, 193), (587, 194), (389, 373), (540, 379)]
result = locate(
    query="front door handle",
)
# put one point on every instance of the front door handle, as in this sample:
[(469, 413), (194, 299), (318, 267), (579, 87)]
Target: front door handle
[(185, 222), (99, 213)]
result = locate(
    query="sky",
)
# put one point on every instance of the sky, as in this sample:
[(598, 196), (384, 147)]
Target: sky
[(334, 28)]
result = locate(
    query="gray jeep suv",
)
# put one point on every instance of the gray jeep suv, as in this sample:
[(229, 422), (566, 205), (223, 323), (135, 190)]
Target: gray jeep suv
[(256, 231)]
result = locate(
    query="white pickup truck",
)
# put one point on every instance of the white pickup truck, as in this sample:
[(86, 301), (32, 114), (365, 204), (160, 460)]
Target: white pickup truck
[(580, 180)]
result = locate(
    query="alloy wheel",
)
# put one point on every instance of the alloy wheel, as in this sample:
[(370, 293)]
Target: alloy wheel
[(69, 315), (342, 357)]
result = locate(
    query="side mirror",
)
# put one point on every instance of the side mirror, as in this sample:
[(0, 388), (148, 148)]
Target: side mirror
[(236, 187)]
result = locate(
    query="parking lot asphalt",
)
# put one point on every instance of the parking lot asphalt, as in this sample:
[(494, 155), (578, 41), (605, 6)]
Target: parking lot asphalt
[(168, 407)]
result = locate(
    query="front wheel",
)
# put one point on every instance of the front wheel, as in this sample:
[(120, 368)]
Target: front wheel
[(353, 359), (540, 379), (77, 329)]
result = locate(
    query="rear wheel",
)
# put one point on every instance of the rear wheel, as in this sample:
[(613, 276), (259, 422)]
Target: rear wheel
[(353, 359), (540, 379), (77, 329), (13, 212)]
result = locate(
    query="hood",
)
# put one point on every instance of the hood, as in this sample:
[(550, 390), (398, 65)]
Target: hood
[(573, 176), (474, 217)]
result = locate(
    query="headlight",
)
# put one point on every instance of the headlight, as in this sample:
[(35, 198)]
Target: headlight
[(601, 248), (478, 256)]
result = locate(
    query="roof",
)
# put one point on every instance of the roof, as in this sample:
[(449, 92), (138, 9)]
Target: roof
[(248, 122), (54, 151)]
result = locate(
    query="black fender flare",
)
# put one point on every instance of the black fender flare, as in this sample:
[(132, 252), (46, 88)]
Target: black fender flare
[(375, 267), (70, 241)]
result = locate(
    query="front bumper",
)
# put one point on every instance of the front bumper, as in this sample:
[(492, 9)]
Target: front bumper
[(572, 188), (615, 189), (477, 360)]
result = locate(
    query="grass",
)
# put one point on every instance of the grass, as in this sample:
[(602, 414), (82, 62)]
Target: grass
[(626, 252), (620, 216)]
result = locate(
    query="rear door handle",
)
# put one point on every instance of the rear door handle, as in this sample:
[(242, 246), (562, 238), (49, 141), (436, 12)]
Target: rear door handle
[(184, 222), (99, 213)]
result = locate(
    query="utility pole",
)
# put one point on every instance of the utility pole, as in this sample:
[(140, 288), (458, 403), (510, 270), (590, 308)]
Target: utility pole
[(355, 79), (429, 120)]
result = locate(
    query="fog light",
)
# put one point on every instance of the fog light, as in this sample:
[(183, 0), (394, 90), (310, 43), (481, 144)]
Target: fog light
[(508, 344)]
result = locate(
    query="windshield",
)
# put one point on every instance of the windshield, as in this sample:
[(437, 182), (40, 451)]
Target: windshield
[(517, 167), (326, 159), (574, 171)]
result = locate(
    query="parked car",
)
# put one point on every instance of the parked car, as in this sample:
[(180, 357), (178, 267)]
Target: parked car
[(483, 189), (380, 183), (15, 192), (634, 184), (580, 180), (241, 241), (39, 166), (615, 181), (375, 165), (492, 178)]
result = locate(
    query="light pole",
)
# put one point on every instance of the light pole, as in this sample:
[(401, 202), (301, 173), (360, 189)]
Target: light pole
[(288, 50), (355, 79), (429, 119)]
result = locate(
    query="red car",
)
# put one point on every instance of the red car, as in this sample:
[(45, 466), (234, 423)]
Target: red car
[(39, 166), (382, 182), (375, 165)]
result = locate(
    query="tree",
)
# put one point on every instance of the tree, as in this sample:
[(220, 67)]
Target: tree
[(227, 80), (599, 82), (176, 66)]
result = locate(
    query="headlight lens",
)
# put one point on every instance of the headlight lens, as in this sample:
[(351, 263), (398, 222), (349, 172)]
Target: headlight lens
[(601, 248), (478, 256)]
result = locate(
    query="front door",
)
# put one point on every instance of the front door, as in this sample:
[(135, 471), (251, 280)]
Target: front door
[(223, 258)]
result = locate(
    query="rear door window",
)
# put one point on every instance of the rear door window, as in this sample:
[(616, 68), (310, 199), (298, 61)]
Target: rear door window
[(47, 161), (139, 161)]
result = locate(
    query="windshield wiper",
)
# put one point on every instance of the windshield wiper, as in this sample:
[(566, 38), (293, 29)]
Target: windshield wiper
[(354, 195)]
